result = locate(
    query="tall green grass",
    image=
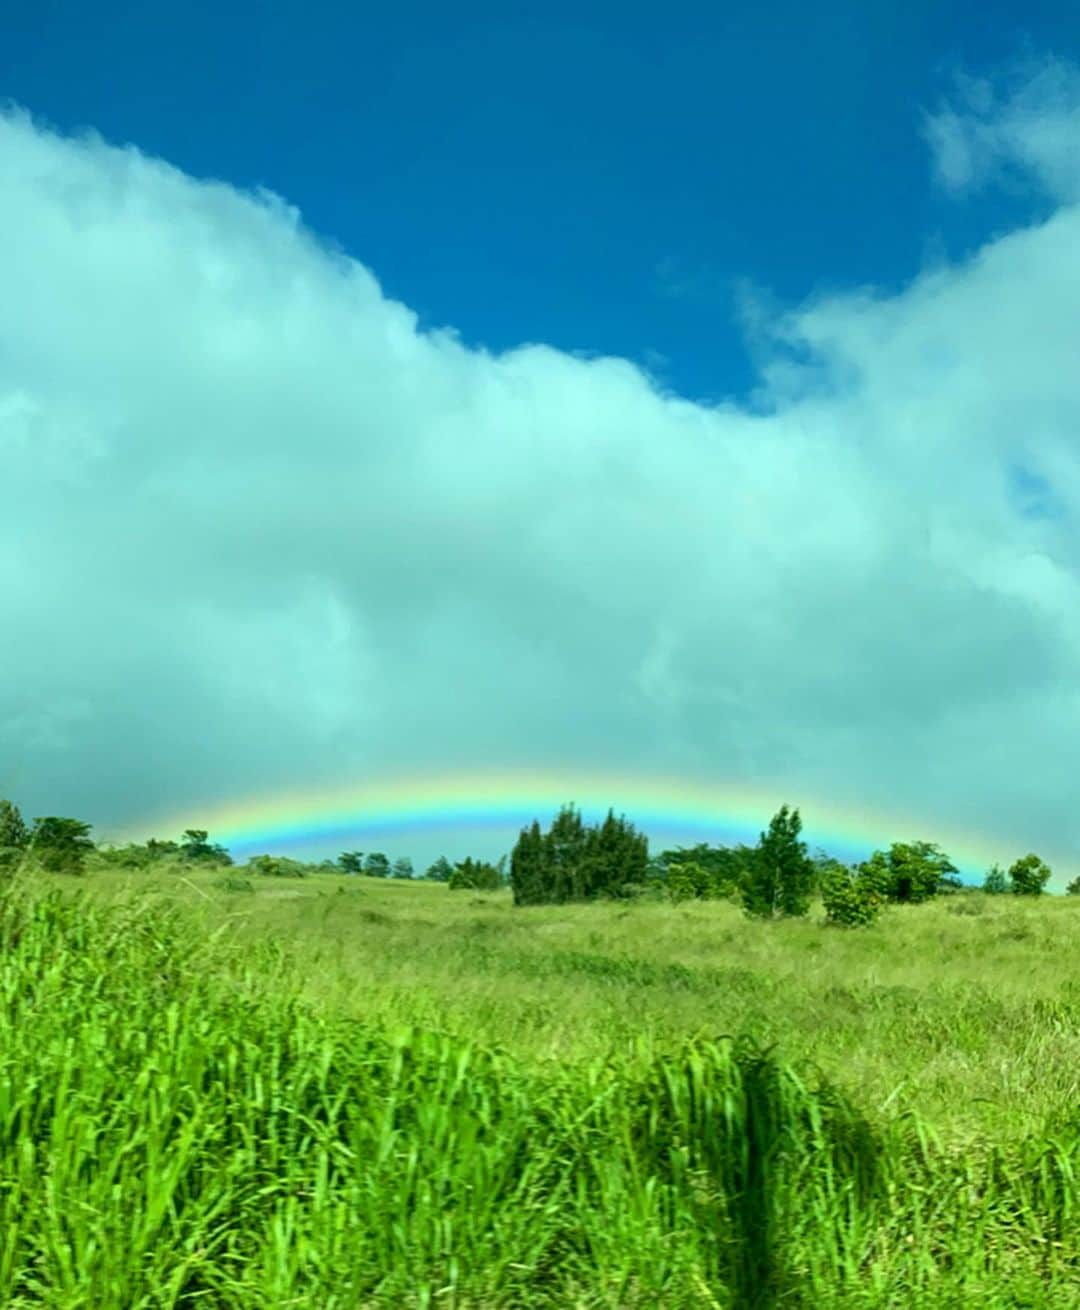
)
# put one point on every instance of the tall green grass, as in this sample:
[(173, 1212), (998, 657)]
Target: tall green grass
[(179, 1128)]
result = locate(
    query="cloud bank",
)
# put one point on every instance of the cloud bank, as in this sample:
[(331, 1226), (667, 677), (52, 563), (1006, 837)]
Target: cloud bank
[(259, 531)]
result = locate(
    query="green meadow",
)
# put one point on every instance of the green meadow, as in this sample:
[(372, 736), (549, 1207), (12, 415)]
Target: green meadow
[(340, 1092)]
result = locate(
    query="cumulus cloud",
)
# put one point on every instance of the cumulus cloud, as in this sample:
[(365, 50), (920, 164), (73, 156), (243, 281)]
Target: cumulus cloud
[(260, 531)]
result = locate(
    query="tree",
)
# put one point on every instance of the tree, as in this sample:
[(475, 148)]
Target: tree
[(613, 859), (377, 865), (13, 836), (996, 881), (1029, 876), (1073, 889), (196, 849), (572, 862), (564, 845), (440, 870), (351, 861), (910, 873), (780, 880), (528, 867), (403, 867), (475, 875), (61, 845), (13, 831)]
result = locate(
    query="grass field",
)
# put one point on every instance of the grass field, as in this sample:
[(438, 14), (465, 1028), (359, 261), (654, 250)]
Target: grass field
[(346, 1092)]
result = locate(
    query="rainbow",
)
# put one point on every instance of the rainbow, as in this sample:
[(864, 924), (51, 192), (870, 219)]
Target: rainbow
[(672, 811)]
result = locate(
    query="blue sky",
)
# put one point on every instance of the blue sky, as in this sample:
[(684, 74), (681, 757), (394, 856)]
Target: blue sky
[(678, 396), (599, 177)]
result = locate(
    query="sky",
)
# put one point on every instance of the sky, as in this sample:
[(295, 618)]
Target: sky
[(417, 401)]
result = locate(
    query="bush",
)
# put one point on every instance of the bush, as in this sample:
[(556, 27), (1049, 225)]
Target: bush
[(475, 875), (851, 899), (276, 866), (1073, 889)]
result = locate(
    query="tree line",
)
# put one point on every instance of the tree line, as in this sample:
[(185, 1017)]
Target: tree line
[(574, 861)]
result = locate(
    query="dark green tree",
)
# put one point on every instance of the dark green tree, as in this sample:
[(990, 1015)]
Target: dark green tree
[(61, 845), (377, 865), (14, 833), (440, 870), (195, 849), (14, 836), (564, 845), (572, 862), (528, 867), (780, 881), (1029, 875), (403, 867), (614, 859), (1073, 888), (351, 861)]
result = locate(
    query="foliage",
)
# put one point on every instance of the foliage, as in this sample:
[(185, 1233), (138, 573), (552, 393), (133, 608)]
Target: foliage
[(996, 882), (13, 830), (138, 855), (575, 862), (377, 865), (403, 867), (779, 881), (14, 836), (195, 849), (351, 862), (61, 845), (724, 869), (440, 870), (687, 880), (1029, 875), (475, 875), (850, 897), (1073, 888), (276, 866), (909, 873)]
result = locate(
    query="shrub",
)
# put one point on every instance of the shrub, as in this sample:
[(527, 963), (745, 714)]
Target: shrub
[(276, 866), (851, 899), (475, 875), (1073, 889)]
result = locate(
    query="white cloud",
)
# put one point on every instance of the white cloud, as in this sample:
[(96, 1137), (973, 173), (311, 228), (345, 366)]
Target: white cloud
[(259, 530), (1032, 125)]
